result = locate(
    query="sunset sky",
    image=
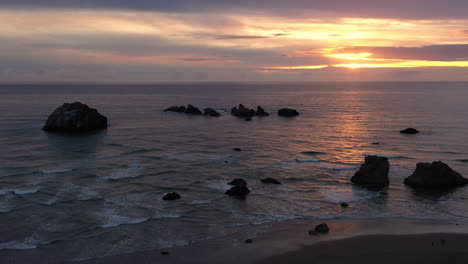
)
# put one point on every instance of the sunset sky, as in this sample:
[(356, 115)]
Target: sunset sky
[(233, 41)]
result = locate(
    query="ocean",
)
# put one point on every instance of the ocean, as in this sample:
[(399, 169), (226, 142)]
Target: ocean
[(95, 195)]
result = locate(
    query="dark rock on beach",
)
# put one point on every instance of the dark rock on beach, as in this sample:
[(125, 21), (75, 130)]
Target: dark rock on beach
[(237, 182), (75, 117), (171, 196), (270, 181), (374, 172), (287, 112), (409, 131), (211, 112), (179, 109), (320, 229), (239, 190), (261, 112), (192, 110), (437, 175)]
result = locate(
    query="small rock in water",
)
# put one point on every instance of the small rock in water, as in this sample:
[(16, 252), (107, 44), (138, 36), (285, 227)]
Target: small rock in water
[(226, 161), (192, 110), (237, 149), (344, 205), (270, 181), (375, 143), (320, 229), (410, 131), (171, 196), (239, 190), (261, 112), (165, 253), (287, 112), (248, 241), (237, 182), (211, 112)]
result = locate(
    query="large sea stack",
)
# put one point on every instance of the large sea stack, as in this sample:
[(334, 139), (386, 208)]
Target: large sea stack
[(374, 172), (435, 175), (75, 117)]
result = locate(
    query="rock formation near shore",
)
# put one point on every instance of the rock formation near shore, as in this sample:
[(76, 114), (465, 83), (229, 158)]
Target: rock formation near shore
[(192, 110), (242, 111), (374, 172), (179, 109), (240, 189), (437, 175), (287, 112), (211, 112), (320, 229), (171, 196), (409, 131), (75, 117), (261, 112)]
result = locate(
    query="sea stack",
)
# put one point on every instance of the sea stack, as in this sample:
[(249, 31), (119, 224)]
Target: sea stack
[(374, 172), (435, 175), (75, 117)]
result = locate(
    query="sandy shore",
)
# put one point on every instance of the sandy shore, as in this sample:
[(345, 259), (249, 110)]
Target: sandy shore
[(349, 241)]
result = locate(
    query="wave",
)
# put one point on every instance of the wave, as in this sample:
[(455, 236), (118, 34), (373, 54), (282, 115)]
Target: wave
[(462, 160), (335, 167), (388, 156), (17, 245), (118, 220), (307, 160), (166, 216), (200, 202), (56, 171), (19, 191), (129, 172), (312, 153)]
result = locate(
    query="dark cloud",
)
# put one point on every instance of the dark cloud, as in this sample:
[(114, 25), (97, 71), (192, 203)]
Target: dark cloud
[(427, 9), (434, 52)]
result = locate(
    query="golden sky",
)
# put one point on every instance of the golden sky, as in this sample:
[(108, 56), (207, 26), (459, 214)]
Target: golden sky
[(134, 45)]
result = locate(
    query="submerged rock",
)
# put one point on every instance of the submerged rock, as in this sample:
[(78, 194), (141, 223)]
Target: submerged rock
[(435, 175), (239, 190), (374, 172), (287, 112), (320, 229), (410, 131), (179, 109), (270, 181), (261, 112), (171, 196), (211, 112), (75, 117), (237, 182), (192, 110)]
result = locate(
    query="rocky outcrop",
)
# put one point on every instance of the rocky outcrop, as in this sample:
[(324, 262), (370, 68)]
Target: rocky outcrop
[(437, 175), (178, 109), (270, 181), (75, 117), (409, 131), (192, 110), (171, 196), (211, 112), (374, 172), (261, 112), (239, 191), (242, 112), (287, 112), (237, 182)]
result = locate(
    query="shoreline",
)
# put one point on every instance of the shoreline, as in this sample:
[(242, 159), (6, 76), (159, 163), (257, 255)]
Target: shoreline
[(289, 242)]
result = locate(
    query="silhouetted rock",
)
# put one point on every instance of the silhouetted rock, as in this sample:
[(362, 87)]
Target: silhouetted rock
[(410, 131), (171, 196), (165, 253), (344, 205), (435, 175), (75, 117), (239, 190), (374, 172), (270, 181), (287, 112), (248, 241), (242, 111), (211, 112), (192, 110), (179, 109), (375, 143), (320, 229), (237, 182), (237, 149), (261, 112)]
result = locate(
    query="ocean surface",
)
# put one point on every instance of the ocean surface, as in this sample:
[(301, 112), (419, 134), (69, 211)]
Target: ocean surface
[(100, 194)]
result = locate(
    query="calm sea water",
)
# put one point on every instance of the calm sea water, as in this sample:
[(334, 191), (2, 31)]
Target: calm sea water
[(100, 194)]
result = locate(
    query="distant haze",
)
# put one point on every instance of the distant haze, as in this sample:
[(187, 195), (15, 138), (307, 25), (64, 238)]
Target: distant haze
[(233, 41)]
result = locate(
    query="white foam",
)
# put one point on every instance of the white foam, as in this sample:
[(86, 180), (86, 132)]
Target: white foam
[(117, 220), (131, 171), (307, 160), (200, 202), (18, 191), (16, 245), (335, 195)]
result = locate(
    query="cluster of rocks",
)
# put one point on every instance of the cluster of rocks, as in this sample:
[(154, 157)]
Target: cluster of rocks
[(436, 175), (192, 110), (247, 113)]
